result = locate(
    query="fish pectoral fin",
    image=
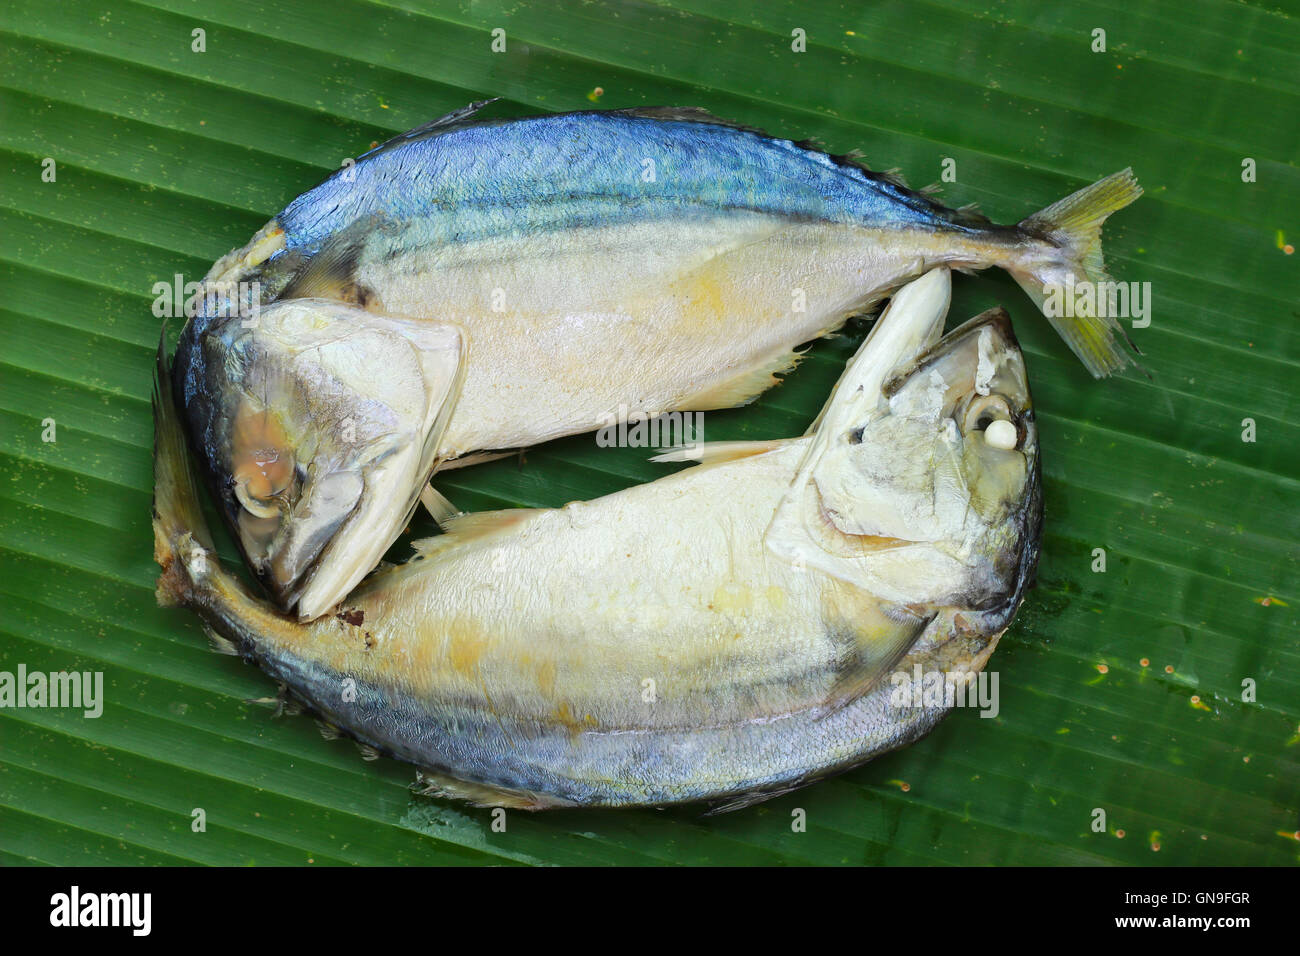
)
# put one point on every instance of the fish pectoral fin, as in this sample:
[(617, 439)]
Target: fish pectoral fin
[(433, 783), (332, 272), (868, 658), (716, 452), (239, 262)]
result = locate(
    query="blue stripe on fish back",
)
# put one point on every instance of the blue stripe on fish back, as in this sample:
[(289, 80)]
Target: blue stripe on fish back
[(586, 169)]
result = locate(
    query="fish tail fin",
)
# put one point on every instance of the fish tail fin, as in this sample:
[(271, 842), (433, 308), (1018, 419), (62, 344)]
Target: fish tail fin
[(180, 531), (1071, 227)]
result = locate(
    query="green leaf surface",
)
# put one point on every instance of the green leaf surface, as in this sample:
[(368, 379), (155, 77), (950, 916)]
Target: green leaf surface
[(1120, 691)]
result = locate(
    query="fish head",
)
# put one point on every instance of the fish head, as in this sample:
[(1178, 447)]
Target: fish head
[(922, 482), (964, 407), (317, 425)]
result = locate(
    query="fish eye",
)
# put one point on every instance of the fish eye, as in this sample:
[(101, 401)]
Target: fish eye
[(992, 417), (263, 479), (1001, 434), (264, 474)]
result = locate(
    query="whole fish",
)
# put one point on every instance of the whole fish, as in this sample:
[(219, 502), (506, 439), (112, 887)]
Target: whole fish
[(597, 264), (723, 634)]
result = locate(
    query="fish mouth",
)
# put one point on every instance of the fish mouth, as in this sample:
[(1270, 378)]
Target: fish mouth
[(997, 320), (344, 533), (310, 536)]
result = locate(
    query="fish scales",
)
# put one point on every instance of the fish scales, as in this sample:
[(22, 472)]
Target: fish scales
[(582, 170)]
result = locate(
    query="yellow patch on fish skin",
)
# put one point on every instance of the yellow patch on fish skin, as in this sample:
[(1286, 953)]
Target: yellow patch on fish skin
[(777, 597), (546, 678), (564, 717), (875, 542), (732, 598), (704, 293), (464, 649)]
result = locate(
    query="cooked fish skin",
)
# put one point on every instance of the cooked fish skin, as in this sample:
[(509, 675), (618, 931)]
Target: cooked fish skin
[(723, 634)]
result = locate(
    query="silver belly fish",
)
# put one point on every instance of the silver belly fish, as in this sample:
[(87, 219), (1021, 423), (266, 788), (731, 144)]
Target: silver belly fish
[(723, 634), (591, 265)]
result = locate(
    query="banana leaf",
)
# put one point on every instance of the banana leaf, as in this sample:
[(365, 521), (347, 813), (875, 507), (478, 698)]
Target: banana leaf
[(1150, 687)]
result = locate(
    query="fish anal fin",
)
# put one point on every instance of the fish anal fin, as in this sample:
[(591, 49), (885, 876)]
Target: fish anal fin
[(474, 526), (478, 458), (432, 783), (744, 388)]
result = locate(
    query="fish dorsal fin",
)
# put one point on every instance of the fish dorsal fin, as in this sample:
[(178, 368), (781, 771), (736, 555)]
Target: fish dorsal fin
[(685, 114), (457, 118), (698, 114)]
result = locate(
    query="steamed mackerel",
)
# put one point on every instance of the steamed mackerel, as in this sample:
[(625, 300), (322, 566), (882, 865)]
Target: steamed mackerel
[(723, 634), (651, 259)]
